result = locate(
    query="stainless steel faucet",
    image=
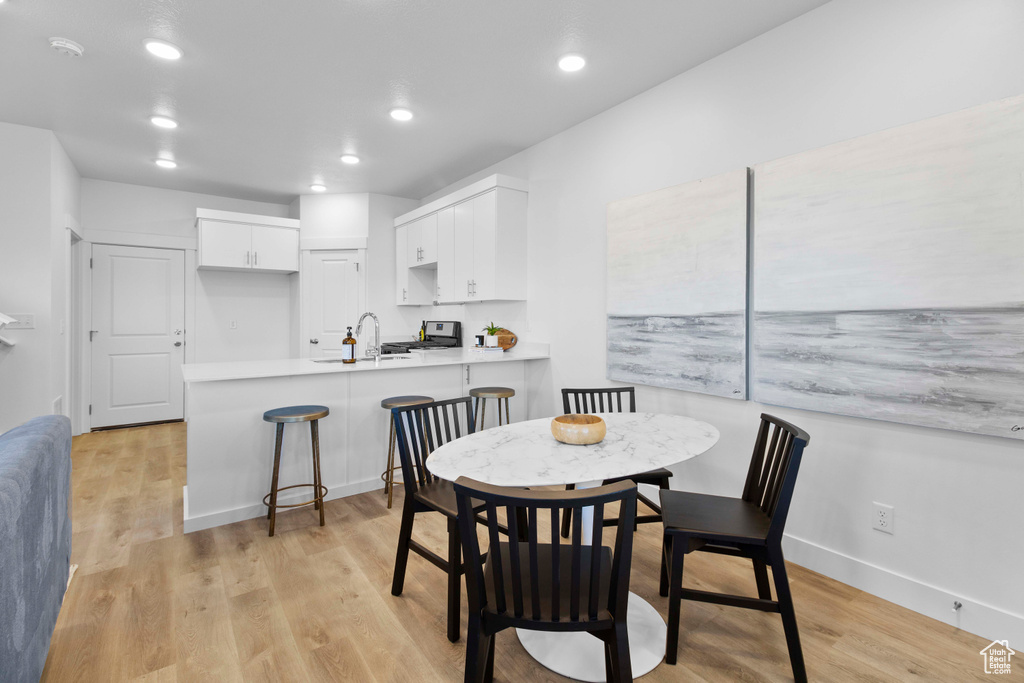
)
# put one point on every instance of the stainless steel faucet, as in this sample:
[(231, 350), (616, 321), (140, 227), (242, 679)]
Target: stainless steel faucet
[(373, 351)]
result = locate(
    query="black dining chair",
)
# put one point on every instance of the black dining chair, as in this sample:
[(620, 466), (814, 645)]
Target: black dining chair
[(546, 586), (419, 430), (610, 400), (750, 526)]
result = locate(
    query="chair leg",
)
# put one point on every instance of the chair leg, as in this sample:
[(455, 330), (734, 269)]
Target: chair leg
[(523, 524), (622, 667), (609, 671), (404, 536), (476, 651), (567, 515), (675, 599), (764, 590), (272, 508), (454, 580), (666, 548), (314, 430), (796, 656), (489, 669), (389, 473)]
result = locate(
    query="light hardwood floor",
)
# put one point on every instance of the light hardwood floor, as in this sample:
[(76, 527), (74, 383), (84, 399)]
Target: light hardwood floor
[(151, 604)]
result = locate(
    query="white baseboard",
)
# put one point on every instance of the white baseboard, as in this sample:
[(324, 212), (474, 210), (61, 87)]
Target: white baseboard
[(987, 621), (221, 517)]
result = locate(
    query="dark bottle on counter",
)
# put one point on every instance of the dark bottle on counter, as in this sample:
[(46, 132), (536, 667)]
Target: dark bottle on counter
[(423, 331), (348, 348)]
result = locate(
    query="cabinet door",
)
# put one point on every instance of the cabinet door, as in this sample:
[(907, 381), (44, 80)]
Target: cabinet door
[(446, 255), (275, 249), (413, 231), (485, 211), (428, 240), (224, 245), (463, 252), (401, 266)]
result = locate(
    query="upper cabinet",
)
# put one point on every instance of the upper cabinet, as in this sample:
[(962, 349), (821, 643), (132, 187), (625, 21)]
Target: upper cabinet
[(232, 241), (472, 244)]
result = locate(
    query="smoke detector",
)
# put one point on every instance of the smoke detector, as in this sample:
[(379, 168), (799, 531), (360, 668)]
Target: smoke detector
[(66, 47)]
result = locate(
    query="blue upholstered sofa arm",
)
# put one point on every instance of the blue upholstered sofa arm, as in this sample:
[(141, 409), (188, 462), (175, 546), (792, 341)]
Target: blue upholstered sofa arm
[(35, 541)]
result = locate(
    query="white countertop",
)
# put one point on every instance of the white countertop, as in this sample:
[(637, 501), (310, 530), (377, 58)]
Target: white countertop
[(212, 372)]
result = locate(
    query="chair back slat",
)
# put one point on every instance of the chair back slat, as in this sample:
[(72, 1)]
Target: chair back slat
[(773, 469), (528, 580), (603, 400), (422, 429)]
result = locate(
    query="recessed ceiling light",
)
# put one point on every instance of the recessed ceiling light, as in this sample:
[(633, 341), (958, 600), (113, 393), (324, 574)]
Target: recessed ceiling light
[(163, 50), (349, 159), (401, 114), (317, 188), (571, 63), (166, 163), (163, 122), (66, 47)]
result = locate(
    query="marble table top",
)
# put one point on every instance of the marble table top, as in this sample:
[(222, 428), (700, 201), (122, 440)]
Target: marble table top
[(526, 454)]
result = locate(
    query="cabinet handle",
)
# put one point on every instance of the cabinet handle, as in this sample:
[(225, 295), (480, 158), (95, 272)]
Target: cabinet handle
[(255, 257), (403, 294), (246, 258), (469, 288)]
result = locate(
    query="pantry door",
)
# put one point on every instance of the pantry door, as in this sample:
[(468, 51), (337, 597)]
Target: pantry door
[(137, 335), (336, 300)]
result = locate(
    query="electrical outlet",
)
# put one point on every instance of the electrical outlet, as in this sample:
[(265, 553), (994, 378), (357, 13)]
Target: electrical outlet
[(24, 321), (234, 325), (884, 519)]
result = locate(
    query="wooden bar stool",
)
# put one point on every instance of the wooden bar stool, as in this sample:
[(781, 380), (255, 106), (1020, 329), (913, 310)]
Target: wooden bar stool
[(280, 416), (389, 473), (481, 394)]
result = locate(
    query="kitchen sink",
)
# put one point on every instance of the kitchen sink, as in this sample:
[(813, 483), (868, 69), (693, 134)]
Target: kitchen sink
[(360, 360)]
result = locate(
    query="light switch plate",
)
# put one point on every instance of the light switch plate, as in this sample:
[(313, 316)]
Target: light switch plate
[(25, 321)]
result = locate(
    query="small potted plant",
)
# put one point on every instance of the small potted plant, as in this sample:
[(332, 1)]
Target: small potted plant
[(491, 339)]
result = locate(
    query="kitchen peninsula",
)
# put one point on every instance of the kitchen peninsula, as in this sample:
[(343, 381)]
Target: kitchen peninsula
[(230, 447)]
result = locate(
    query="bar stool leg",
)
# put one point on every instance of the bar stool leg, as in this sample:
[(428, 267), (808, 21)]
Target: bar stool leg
[(508, 420), (272, 512), (314, 430), (483, 411), (389, 473)]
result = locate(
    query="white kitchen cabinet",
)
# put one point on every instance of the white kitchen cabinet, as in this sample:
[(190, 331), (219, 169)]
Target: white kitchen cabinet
[(421, 248), (445, 284), (230, 245), (479, 245), (413, 287)]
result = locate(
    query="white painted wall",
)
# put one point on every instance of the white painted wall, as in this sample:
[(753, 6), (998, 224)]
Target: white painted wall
[(26, 380), (334, 215), (64, 206), (262, 305), (843, 70)]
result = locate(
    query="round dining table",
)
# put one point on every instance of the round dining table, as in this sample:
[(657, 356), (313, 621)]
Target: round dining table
[(526, 454)]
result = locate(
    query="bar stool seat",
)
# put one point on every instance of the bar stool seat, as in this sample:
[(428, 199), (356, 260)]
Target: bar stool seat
[(280, 416), (388, 475), (481, 394)]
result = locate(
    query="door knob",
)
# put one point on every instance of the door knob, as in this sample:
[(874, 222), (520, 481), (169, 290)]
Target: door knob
[(314, 341), (177, 343)]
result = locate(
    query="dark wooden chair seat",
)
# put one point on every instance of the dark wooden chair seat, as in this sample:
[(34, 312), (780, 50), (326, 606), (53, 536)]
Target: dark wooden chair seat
[(439, 495), (545, 586), (610, 400), (714, 517), (750, 526)]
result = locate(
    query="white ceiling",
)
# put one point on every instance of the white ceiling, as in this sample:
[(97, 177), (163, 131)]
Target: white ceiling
[(271, 92)]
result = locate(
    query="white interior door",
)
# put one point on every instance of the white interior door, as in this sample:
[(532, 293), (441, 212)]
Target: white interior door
[(138, 340), (336, 299)]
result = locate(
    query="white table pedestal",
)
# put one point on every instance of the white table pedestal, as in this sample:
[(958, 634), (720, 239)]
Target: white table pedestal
[(581, 655)]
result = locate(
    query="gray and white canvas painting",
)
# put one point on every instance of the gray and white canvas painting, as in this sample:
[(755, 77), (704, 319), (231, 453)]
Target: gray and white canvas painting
[(677, 287), (889, 275)]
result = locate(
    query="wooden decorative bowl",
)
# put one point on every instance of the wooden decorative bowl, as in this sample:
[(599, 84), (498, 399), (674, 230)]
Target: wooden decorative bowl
[(578, 430)]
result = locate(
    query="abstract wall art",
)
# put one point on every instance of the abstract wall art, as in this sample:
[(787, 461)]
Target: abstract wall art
[(677, 286), (888, 275)]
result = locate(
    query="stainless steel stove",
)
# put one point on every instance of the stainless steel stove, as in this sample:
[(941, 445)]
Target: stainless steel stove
[(441, 334)]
